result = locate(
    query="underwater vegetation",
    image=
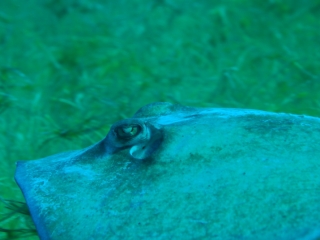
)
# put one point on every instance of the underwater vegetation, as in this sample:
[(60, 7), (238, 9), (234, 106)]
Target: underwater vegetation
[(70, 69), (17, 209)]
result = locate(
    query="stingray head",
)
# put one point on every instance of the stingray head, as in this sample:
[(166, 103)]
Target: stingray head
[(60, 189), (173, 172)]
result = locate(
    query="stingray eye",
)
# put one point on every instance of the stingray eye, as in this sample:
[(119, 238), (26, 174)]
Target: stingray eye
[(127, 131), (140, 137)]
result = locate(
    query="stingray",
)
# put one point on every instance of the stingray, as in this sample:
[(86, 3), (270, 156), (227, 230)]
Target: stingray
[(176, 172)]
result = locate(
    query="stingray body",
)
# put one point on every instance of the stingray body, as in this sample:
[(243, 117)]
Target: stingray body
[(175, 172)]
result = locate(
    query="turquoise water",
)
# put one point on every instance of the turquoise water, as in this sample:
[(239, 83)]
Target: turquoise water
[(69, 70)]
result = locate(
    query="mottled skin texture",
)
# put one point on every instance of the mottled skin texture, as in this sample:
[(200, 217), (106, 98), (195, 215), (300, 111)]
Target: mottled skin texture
[(209, 174)]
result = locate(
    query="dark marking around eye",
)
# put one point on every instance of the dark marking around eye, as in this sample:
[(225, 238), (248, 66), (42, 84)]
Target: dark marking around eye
[(127, 131), (142, 138)]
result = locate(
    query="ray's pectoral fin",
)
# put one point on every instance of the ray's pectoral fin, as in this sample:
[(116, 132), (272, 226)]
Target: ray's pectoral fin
[(142, 138)]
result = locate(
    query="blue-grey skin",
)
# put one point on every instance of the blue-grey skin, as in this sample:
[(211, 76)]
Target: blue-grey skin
[(175, 172)]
